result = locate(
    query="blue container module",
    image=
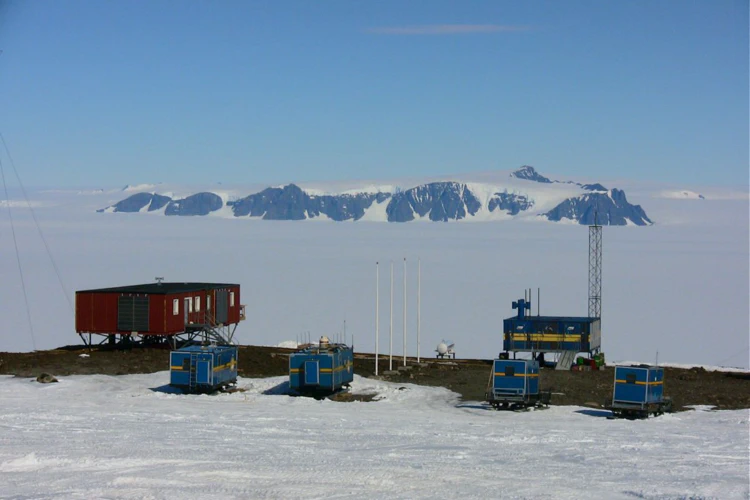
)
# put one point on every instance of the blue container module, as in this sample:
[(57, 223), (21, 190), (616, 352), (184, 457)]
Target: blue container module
[(321, 369), (514, 383), (639, 391), (524, 333), (199, 368)]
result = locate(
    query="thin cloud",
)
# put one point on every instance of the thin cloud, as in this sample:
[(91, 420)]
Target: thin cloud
[(446, 29)]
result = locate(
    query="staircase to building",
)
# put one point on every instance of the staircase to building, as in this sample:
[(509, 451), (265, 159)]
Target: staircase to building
[(566, 360)]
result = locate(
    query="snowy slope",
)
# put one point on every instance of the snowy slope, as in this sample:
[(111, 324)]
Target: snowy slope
[(520, 194), (682, 195), (129, 437)]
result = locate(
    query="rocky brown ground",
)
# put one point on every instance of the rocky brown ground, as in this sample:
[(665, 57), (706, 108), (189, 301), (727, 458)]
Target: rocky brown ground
[(696, 386)]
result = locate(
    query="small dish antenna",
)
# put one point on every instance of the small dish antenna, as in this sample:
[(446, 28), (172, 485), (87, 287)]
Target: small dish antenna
[(445, 350)]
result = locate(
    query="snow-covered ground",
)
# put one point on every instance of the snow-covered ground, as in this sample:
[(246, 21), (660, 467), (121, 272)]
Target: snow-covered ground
[(685, 366), (130, 437)]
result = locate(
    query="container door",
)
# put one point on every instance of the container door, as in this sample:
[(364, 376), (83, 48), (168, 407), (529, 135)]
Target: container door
[(657, 391), (630, 385), (186, 307), (514, 377), (179, 365), (132, 314), (312, 375), (534, 380), (496, 374), (222, 306), (526, 379), (204, 370)]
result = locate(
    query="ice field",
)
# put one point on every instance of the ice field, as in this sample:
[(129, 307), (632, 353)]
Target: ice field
[(129, 437)]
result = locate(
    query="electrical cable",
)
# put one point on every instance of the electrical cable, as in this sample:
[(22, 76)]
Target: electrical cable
[(18, 256), (740, 353), (38, 227)]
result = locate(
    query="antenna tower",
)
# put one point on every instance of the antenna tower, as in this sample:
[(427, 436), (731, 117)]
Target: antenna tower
[(595, 269)]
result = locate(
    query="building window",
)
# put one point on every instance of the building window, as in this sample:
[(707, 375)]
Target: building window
[(208, 302), (176, 307), (231, 299), (189, 304), (197, 304)]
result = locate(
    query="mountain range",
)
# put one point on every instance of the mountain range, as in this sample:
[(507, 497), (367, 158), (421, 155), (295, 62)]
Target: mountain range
[(526, 194)]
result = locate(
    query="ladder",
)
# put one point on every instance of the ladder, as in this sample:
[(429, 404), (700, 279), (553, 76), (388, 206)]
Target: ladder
[(193, 370), (566, 360)]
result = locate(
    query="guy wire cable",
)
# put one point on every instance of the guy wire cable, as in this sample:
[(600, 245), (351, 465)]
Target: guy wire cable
[(18, 257), (38, 227)]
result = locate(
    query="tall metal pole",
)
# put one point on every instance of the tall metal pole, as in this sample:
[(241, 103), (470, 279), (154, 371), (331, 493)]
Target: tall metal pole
[(419, 304), (595, 270), (390, 357), (377, 315), (404, 311)]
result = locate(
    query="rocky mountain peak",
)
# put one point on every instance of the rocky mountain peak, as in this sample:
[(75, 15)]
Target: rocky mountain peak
[(529, 173)]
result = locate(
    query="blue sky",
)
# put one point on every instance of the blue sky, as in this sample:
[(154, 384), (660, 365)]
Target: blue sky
[(99, 93)]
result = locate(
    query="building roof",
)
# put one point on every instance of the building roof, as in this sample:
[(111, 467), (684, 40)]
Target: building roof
[(161, 288), (566, 319), (317, 349), (205, 348)]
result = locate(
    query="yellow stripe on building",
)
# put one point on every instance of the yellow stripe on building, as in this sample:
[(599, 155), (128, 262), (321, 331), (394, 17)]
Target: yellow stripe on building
[(339, 368), (231, 364), (637, 382), (545, 337)]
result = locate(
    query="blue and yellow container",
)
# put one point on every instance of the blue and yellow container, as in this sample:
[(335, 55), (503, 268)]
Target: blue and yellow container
[(203, 368), (324, 368), (639, 391), (524, 333), (515, 383)]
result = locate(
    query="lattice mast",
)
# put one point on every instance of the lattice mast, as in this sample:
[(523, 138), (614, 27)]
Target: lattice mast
[(595, 270)]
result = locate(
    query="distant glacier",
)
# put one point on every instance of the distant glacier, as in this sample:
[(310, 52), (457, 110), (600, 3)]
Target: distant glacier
[(526, 194)]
